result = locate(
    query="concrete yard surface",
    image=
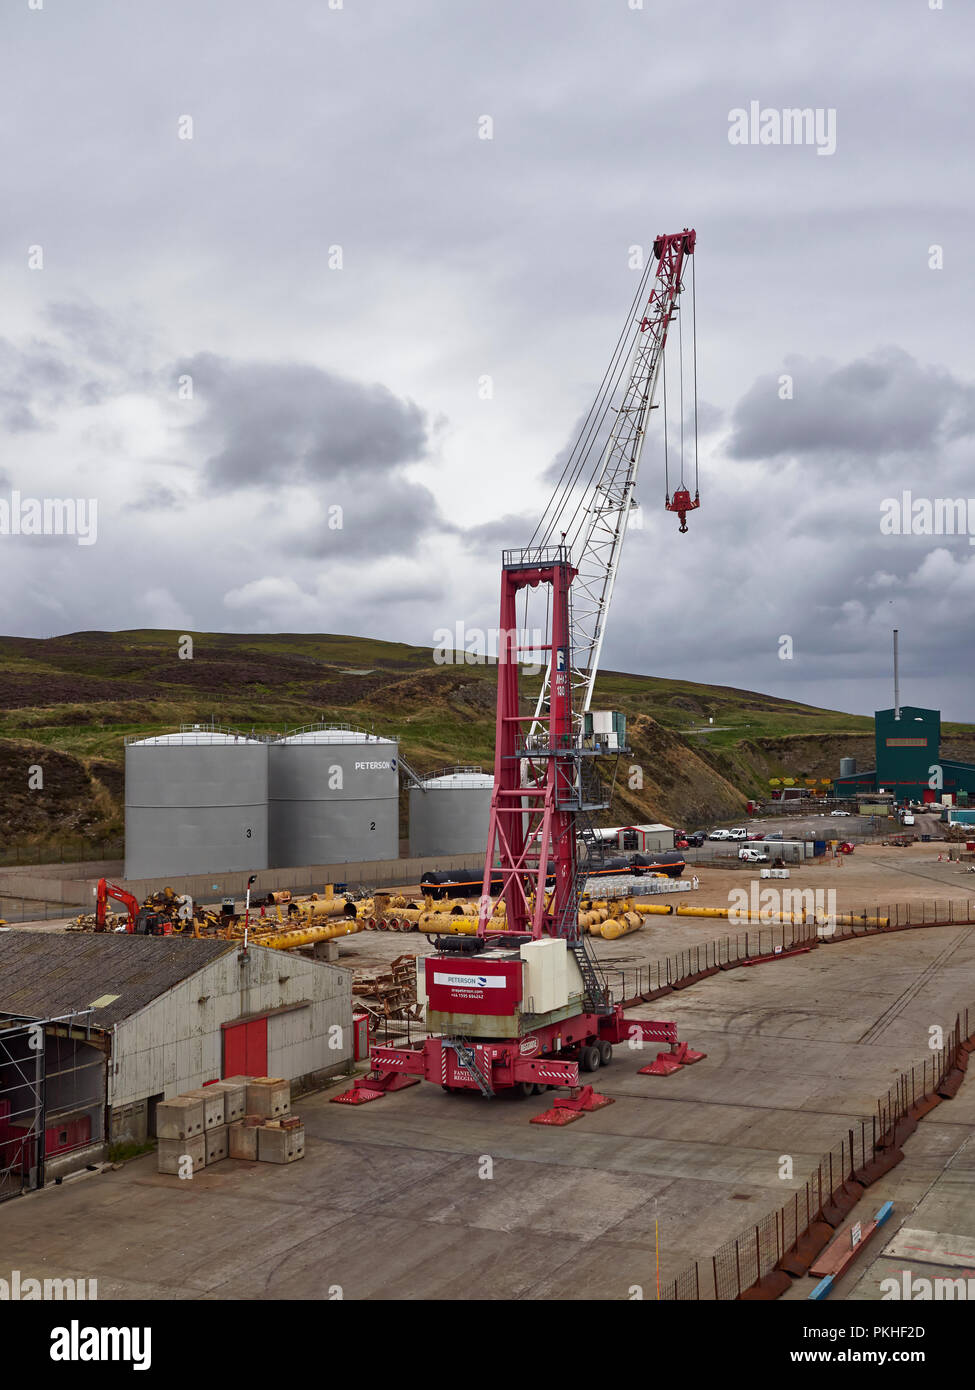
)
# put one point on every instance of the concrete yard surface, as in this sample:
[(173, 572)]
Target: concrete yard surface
[(427, 1195)]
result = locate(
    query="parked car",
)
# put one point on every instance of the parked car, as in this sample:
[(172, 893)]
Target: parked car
[(753, 854), (739, 833), (839, 813), (720, 835), (695, 839), (775, 835)]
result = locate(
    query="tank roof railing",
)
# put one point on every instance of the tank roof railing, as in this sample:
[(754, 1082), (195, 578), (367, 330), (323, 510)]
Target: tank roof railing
[(458, 770), (191, 729), (324, 725)]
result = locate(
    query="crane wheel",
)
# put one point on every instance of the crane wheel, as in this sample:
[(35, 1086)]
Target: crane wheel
[(605, 1050), (522, 1089), (539, 1088), (589, 1059)]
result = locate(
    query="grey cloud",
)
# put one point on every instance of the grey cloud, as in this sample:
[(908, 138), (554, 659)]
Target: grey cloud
[(386, 516), (268, 424), (504, 533), (882, 404)]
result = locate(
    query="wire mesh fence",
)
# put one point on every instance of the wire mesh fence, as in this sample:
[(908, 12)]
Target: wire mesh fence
[(13, 854), (691, 963)]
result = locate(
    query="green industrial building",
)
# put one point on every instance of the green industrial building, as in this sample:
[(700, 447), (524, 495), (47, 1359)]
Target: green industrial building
[(908, 759)]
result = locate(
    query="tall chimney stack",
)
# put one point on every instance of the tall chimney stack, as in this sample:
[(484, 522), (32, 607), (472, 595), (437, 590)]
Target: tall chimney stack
[(897, 688)]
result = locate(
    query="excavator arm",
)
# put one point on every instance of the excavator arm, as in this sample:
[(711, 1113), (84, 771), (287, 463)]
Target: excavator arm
[(108, 890)]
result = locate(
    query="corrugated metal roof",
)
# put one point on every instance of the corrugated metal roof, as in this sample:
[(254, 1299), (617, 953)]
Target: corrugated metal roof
[(44, 974)]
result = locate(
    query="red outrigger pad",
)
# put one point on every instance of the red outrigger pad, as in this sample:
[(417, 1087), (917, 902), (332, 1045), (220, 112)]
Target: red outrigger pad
[(668, 1062), (374, 1088), (565, 1109)]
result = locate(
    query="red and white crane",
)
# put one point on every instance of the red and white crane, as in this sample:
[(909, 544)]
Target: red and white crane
[(523, 1004)]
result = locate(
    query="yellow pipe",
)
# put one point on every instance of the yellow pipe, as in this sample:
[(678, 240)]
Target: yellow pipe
[(621, 926), (448, 923), (653, 909), (305, 936), (702, 912)]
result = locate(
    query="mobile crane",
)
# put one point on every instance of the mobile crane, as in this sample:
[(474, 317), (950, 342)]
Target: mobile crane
[(523, 1006)]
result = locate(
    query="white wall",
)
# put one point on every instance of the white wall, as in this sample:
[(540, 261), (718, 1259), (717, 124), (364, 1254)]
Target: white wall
[(175, 1043)]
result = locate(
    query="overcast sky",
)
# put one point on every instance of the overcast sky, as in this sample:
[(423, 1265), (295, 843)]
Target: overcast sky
[(336, 260)]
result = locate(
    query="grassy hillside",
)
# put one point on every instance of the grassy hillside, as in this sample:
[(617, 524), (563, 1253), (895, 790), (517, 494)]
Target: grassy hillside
[(67, 703)]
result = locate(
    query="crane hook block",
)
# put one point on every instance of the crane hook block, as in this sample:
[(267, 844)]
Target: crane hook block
[(682, 503)]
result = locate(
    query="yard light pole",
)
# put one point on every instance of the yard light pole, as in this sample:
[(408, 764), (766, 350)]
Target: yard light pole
[(247, 907)]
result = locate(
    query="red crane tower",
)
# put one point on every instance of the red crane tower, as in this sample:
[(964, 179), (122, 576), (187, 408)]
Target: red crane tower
[(524, 1004)]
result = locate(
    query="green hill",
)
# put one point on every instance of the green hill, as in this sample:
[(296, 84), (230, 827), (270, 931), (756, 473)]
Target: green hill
[(67, 703)]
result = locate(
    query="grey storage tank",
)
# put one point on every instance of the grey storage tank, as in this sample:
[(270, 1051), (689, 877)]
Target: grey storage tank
[(333, 797), (195, 803), (450, 813), (848, 767)]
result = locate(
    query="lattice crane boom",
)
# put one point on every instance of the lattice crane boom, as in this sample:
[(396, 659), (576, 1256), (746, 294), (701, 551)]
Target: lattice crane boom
[(595, 527)]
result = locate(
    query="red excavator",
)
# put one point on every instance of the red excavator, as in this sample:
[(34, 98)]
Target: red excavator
[(143, 921)]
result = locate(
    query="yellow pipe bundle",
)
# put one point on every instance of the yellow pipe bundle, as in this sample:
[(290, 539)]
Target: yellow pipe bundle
[(409, 914)]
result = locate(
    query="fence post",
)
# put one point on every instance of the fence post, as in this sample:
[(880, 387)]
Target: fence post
[(714, 1270), (737, 1265)]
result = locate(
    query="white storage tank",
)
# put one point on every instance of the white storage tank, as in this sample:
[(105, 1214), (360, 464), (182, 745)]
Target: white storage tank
[(333, 797), (451, 812), (195, 803)]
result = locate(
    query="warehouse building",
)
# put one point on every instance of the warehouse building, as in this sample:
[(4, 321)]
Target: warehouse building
[(96, 1029), (908, 758)]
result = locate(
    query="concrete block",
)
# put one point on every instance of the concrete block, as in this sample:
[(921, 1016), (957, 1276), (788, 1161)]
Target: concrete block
[(234, 1097), (180, 1118), (268, 1096), (242, 1138), (280, 1145), (213, 1106), (215, 1141), (171, 1153), (238, 1080)]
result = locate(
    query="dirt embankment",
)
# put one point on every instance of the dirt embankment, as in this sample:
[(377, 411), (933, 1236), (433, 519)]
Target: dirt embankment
[(49, 795)]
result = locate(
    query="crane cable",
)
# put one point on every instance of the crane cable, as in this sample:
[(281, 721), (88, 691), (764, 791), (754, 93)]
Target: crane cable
[(556, 510), (697, 489)]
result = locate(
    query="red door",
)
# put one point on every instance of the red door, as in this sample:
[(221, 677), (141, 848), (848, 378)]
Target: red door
[(245, 1048), (928, 796)]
